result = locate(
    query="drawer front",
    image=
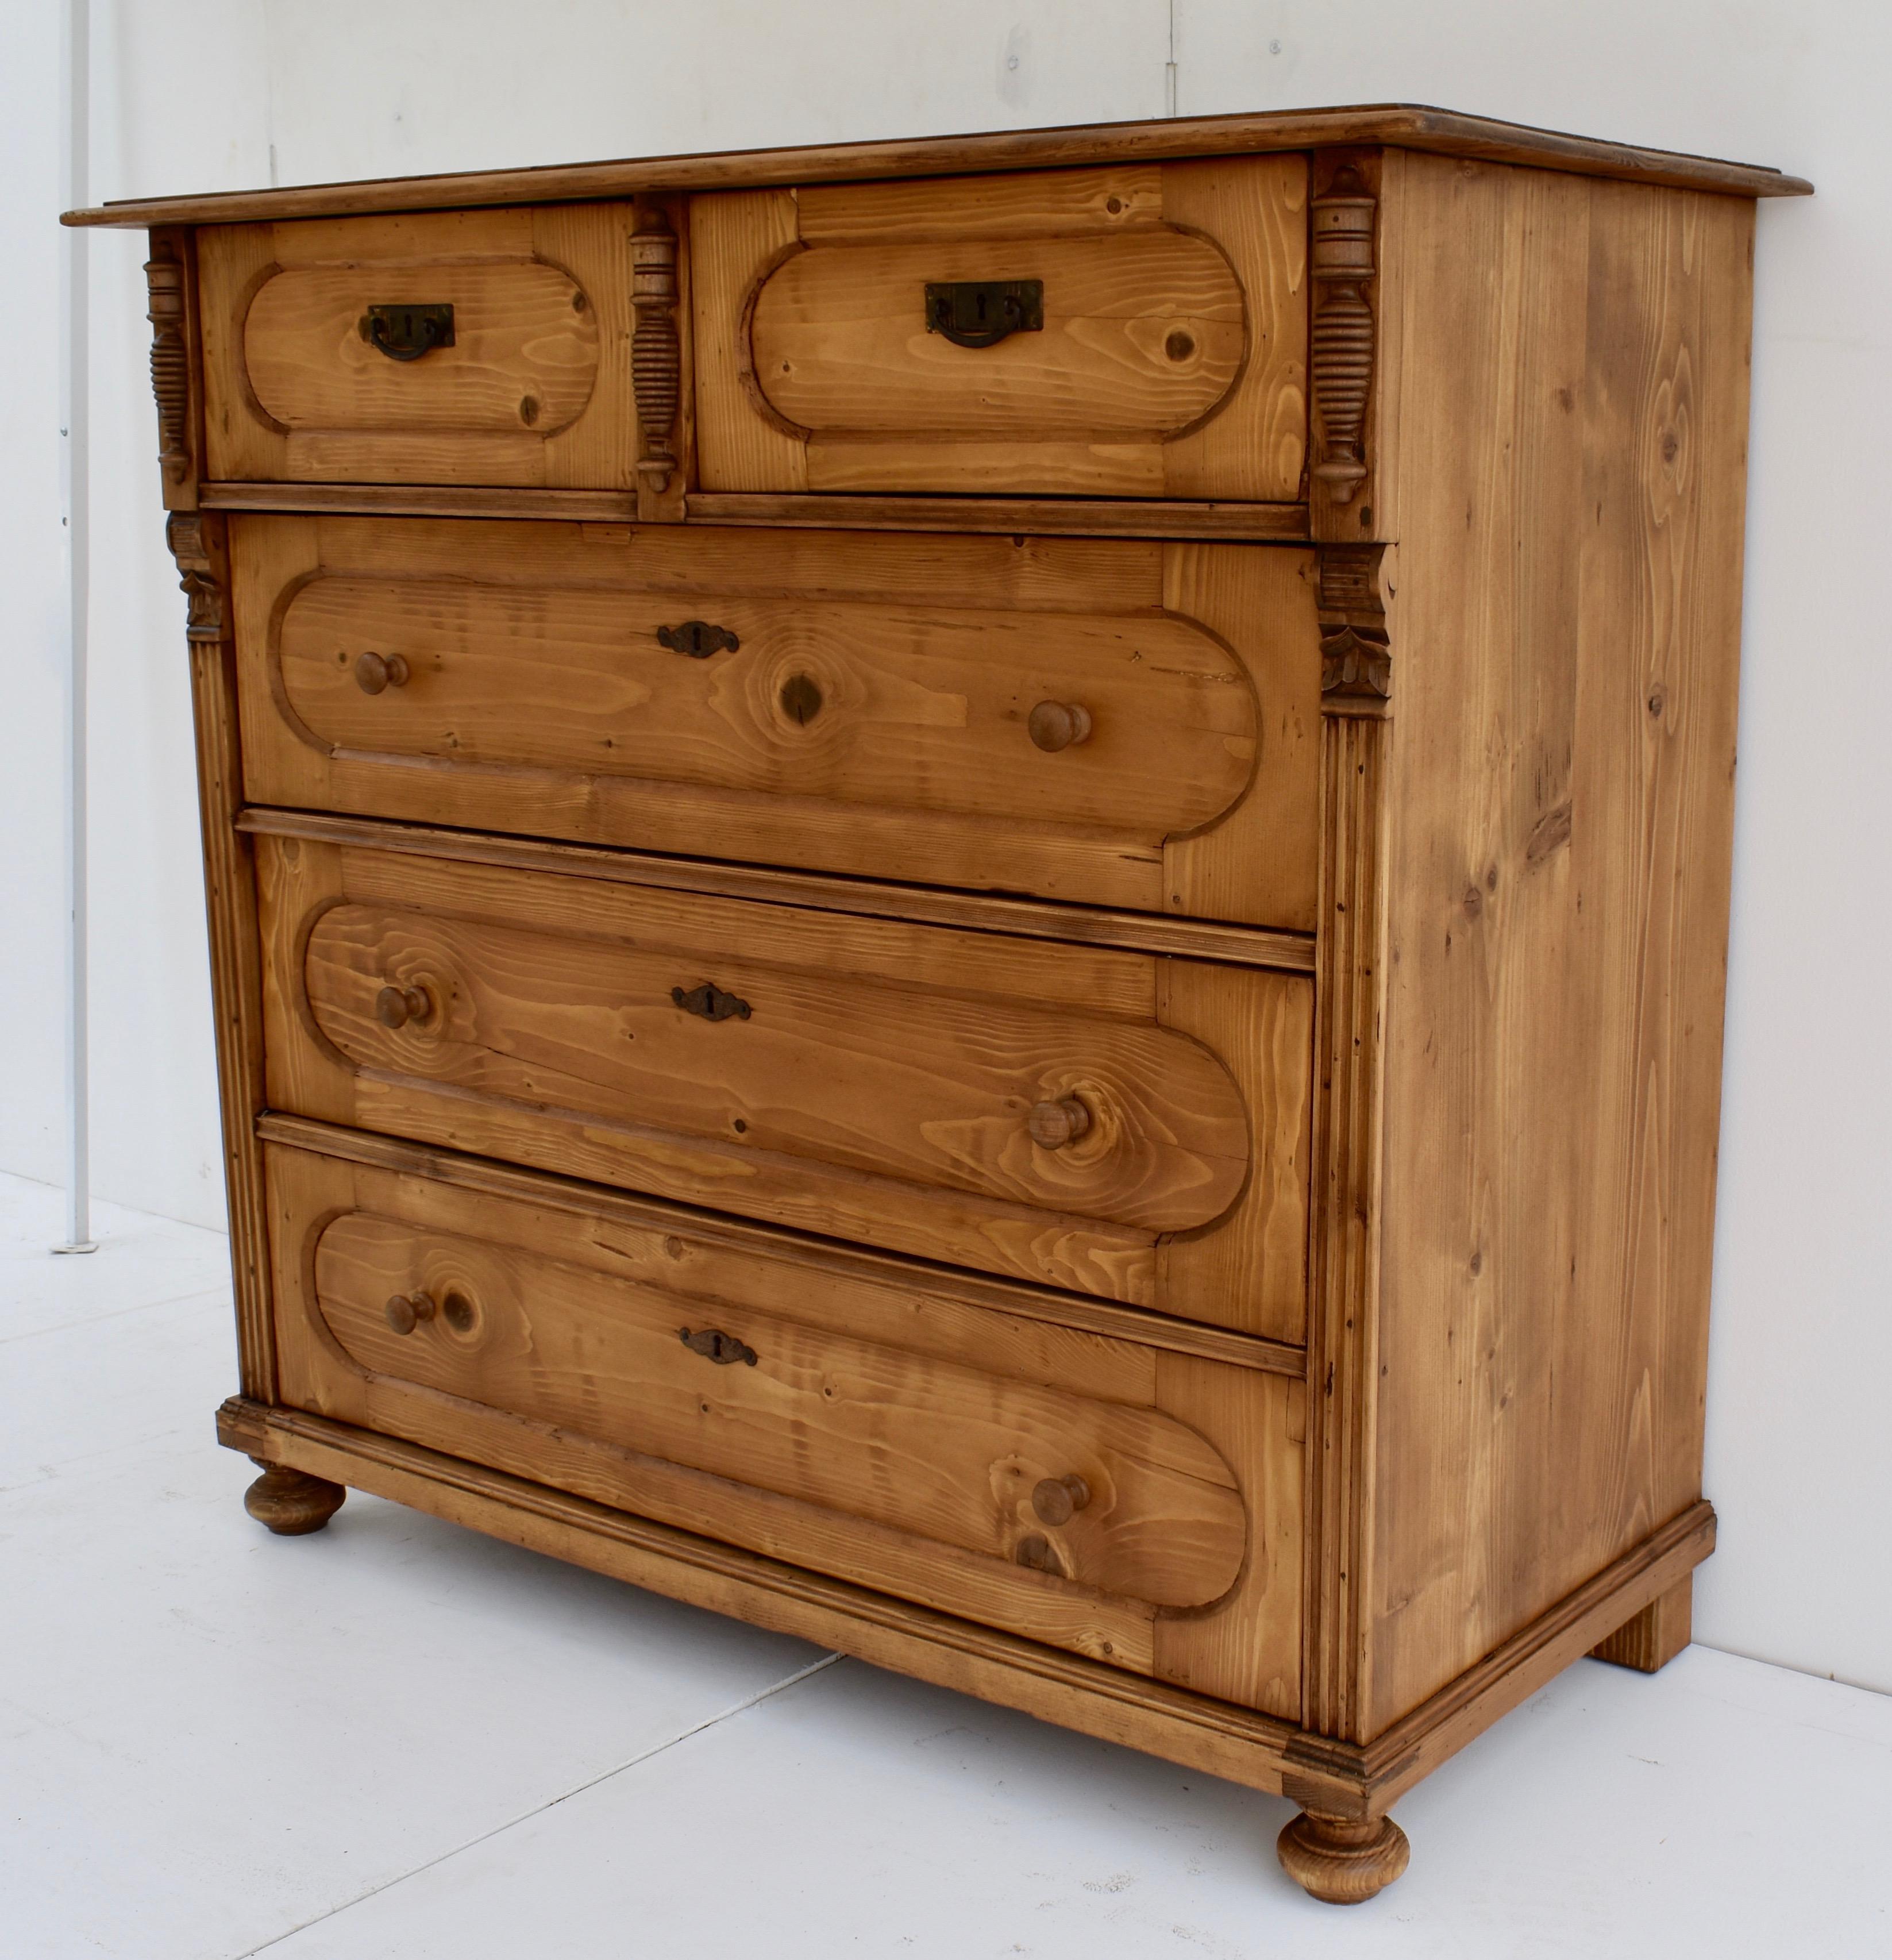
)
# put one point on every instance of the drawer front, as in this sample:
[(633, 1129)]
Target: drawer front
[(318, 371), (1117, 1124), (854, 1417), (1135, 332), (1123, 723)]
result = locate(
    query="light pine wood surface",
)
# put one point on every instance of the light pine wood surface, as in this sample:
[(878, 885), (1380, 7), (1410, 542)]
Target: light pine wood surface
[(884, 1432), (535, 390), (881, 1085), (1171, 360), (1051, 1010), (874, 715), (1569, 460), (1403, 126)]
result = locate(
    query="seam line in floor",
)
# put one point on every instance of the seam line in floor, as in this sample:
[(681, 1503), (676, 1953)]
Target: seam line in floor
[(551, 1803)]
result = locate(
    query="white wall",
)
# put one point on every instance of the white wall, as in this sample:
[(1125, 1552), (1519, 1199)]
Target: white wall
[(205, 94)]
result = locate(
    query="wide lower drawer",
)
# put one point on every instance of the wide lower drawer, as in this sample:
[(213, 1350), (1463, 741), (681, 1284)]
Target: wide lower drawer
[(1133, 331), (837, 1410), (1116, 1123), (1123, 724), (446, 347)]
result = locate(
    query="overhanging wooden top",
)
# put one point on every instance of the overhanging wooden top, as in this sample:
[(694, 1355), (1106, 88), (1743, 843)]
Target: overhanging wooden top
[(1402, 126)]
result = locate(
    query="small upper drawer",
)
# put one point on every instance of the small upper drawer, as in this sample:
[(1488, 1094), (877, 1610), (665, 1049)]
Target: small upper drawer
[(1122, 724), (1135, 332), (471, 347)]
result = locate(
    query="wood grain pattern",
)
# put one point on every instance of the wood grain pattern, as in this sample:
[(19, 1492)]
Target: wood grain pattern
[(913, 706), (1414, 1747), (1650, 1641), (1346, 1227), (535, 390), (1103, 1089), (1095, 1697), (1408, 126), (199, 545), (886, 1434), (1261, 1026), (841, 347), (949, 1452), (885, 1080), (1157, 327), (542, 700), (1040, 516), (1270, 840), (1248, 1650), (525, 1056), (870, 1279), (1573, 408), (1078, 925)]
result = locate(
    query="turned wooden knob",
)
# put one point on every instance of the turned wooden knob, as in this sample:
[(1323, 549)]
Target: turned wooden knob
[(1055, 1124), (374, 672), (1058, 1500), (1059, 724), (395, 1006), (406, 1311)]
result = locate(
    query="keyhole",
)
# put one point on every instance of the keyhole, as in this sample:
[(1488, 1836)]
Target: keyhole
[(800, 698)]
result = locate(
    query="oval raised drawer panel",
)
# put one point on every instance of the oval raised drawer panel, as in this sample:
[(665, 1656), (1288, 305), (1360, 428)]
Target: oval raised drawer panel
[(1010, 1455), (903, 1081), (1139, 331), (1144, 333), (472, 346), (524, 354), (944, 1452), (924, 707), (1108, 1122), (1115, 722)]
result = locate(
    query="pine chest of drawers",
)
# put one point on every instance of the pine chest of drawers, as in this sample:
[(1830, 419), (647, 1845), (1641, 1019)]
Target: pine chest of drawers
[(971, 895)]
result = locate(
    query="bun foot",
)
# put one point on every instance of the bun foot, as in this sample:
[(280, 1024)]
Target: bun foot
[(289, 1502), (1340, 1861)]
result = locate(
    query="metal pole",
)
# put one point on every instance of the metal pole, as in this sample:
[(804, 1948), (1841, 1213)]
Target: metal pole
[(73, 404)]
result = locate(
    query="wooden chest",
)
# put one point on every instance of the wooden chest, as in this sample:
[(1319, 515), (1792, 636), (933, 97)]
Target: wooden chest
[(971, 895)]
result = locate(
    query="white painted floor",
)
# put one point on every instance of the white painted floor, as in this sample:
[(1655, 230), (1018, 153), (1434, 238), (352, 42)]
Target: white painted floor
[(396, 1740)]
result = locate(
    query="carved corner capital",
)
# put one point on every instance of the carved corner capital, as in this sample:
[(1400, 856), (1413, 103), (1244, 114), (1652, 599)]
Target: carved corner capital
[(192, 546), (1356, 659), (1340, 350)]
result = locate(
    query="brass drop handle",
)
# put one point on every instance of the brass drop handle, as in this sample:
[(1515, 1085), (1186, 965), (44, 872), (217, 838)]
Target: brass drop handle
[(1055, 1124), (1054, 725), (406, 1311), (1058, 1500), (395, 1006), (374, 673)]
